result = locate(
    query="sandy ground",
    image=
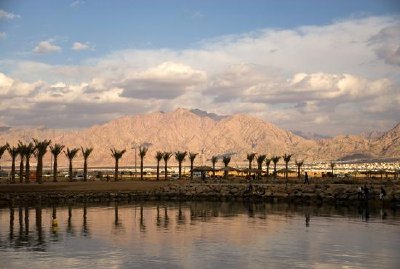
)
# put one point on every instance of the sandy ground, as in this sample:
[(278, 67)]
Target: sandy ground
[(91, 186)]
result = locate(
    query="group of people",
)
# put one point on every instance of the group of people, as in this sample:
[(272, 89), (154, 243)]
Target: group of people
[(363, 193)]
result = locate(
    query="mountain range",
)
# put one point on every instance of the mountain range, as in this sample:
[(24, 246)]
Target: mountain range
[(207, 134)]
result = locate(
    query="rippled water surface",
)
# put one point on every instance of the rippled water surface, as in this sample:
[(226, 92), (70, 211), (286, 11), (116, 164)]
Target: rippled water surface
[(198, 235)]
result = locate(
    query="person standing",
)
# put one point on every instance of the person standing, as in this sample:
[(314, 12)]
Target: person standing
[(306, 178)]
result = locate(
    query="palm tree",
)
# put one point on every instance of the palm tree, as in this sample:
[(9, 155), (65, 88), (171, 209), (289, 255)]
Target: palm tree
[(286, 158), (29, 150), (260, 160), (2, 150), (21, 153), (55, 151), (159, 156), (332, 166), (142, 152), (275, 160), (85, 153), (71, 154), (180, 157), (13, 151), (40, 151), (117, 154), (250, 157), (214, 160), (267, 164), (192, 156), (299, 165), (226, 160), (166, 156)]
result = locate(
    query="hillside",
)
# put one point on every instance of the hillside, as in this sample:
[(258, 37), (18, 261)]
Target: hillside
[(206, 134)]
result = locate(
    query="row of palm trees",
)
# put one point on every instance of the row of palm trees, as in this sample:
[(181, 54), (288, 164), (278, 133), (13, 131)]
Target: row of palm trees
[(39, 148)]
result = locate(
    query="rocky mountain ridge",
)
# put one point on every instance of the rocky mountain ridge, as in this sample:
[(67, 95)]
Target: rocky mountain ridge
[(207, 135)]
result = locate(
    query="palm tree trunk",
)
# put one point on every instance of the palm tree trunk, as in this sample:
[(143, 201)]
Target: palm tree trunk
[(191, 170), (259, 168), (274, 169), (267, 171), (179, 170), (165, 174), (298, 171), (286, 173), (70, 170), (39, 170), (13, 170), (27, 170), (141, 168), (248, 173), (21, 170), (116, 170), (213, 169), (55, 168), (85, 169), (158, 170)]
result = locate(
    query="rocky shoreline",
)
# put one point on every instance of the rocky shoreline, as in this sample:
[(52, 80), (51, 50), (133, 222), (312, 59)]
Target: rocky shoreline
[(313, 194)]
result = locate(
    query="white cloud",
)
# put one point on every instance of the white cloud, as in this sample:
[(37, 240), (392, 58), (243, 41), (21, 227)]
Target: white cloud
[(2, 35), (10, 88), (4, 15), (308, 78), (80, 46), (45, 47)]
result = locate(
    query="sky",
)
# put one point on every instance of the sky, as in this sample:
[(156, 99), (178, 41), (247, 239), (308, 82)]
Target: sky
[(328, 67)]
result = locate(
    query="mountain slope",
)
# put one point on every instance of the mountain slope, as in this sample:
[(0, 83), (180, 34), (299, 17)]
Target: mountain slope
[(186, 130)]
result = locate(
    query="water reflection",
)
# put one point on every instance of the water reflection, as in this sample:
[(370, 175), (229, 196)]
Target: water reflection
[(227, 229), (85, 227)]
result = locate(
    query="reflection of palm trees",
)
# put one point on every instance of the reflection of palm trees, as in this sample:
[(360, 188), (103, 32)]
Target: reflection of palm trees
[(55, 151), (166, 218), (181, 216), (158, 218), (39, 228), (11, 232), (26, 221), (85, 228), (141, 221), (116, 219), (70, 228), (54, 224)]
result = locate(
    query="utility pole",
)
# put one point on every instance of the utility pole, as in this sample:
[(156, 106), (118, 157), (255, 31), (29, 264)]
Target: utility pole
[(134, 146)]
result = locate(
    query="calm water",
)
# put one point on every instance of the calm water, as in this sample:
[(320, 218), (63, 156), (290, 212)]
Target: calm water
[(198, 235)]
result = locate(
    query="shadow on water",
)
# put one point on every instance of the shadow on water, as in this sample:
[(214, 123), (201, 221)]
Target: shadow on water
[(164, 216)]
